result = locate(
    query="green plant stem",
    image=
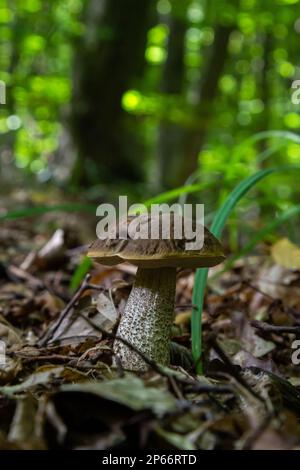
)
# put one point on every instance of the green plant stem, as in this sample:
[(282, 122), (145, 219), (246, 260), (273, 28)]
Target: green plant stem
[(35, 211)]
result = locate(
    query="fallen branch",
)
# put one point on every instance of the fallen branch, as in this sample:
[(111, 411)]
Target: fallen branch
[(266, 328)]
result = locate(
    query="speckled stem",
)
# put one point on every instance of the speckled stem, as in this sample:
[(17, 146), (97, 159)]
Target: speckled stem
[(147, 320)]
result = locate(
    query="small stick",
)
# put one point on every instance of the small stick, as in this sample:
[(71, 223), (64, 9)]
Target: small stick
[(285, 308), (48, 357), (266, 328), (25, 276), (257, 289), (84, 286), (184, 306), (250, 441), (232, 369), (204, 388)]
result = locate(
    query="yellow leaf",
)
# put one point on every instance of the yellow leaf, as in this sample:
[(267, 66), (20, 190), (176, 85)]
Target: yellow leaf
[(183, 318), (286, 254)]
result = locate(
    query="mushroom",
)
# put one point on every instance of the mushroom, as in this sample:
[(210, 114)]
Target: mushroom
[(148, 316)]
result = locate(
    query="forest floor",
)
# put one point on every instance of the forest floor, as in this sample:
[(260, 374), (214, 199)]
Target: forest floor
[(60, 390)]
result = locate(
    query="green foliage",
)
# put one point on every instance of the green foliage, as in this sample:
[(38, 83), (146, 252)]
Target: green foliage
[(80, 272), (217, 227), (261, 235), (248, 123), (35, 63), (177, 193), (37, 44), (39, 210)]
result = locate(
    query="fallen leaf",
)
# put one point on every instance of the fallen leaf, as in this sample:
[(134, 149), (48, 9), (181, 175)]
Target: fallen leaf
[(25, 429), (74, 327), (42, 376), (108, 311), (10, 366), (130, 391), (286, 254)]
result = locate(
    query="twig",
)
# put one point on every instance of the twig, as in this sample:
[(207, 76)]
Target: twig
[(23, 275), (193, 384), (233, 370), (77, 338), (250, 441), (148, 361), (176, 389), (84, 286), (257, 289), (197, 387), (48, 357), (285, 308), (19, 274), (184, 306), (266, 328)]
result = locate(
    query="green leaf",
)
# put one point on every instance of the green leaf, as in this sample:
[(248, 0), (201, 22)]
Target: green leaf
[(217, 228), (35, 211), (175, 193), (260, 235), (130, 391), (79, 273)]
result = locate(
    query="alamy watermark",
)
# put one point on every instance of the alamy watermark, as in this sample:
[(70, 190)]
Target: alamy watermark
[(296, 93), (2, 92), (296, 354), (159, 221), (2, 353)]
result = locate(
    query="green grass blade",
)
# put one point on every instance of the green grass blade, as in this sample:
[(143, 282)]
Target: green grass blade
[(261, 157), (175, 193), (79, 273), (260, 235), (233, 198), (217, 228), (35, 211), (291, 136)]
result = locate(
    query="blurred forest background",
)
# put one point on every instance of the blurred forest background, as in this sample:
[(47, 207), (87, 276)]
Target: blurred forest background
[(162, 101), (139, 97)]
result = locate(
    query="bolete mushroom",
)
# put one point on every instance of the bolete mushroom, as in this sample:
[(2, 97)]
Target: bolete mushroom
[(148, 316)]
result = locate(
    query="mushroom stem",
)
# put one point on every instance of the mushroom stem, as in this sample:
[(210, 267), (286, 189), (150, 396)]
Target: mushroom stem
[(147, 320)]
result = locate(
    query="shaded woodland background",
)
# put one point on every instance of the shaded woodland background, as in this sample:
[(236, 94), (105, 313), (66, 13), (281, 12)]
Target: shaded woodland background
[(159, 100), (136, 97)]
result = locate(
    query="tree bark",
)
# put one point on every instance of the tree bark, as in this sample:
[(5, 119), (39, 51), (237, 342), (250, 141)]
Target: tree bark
[(109, 57), (203, 105), (171, 135), (8, 140)]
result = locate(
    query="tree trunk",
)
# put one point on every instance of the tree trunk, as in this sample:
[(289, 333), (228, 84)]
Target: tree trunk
[(7, 144), (109, 57), (267, 42), (204, 103), (171, 135)]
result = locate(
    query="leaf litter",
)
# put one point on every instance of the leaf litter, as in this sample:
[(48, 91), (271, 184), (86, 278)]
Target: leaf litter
[(60, 390)]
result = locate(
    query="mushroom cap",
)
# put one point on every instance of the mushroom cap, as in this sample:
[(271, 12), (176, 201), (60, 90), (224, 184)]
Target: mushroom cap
[(156, 253)]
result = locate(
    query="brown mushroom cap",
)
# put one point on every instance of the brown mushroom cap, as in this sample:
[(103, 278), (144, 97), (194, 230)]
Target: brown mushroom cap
[(161, 253)]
